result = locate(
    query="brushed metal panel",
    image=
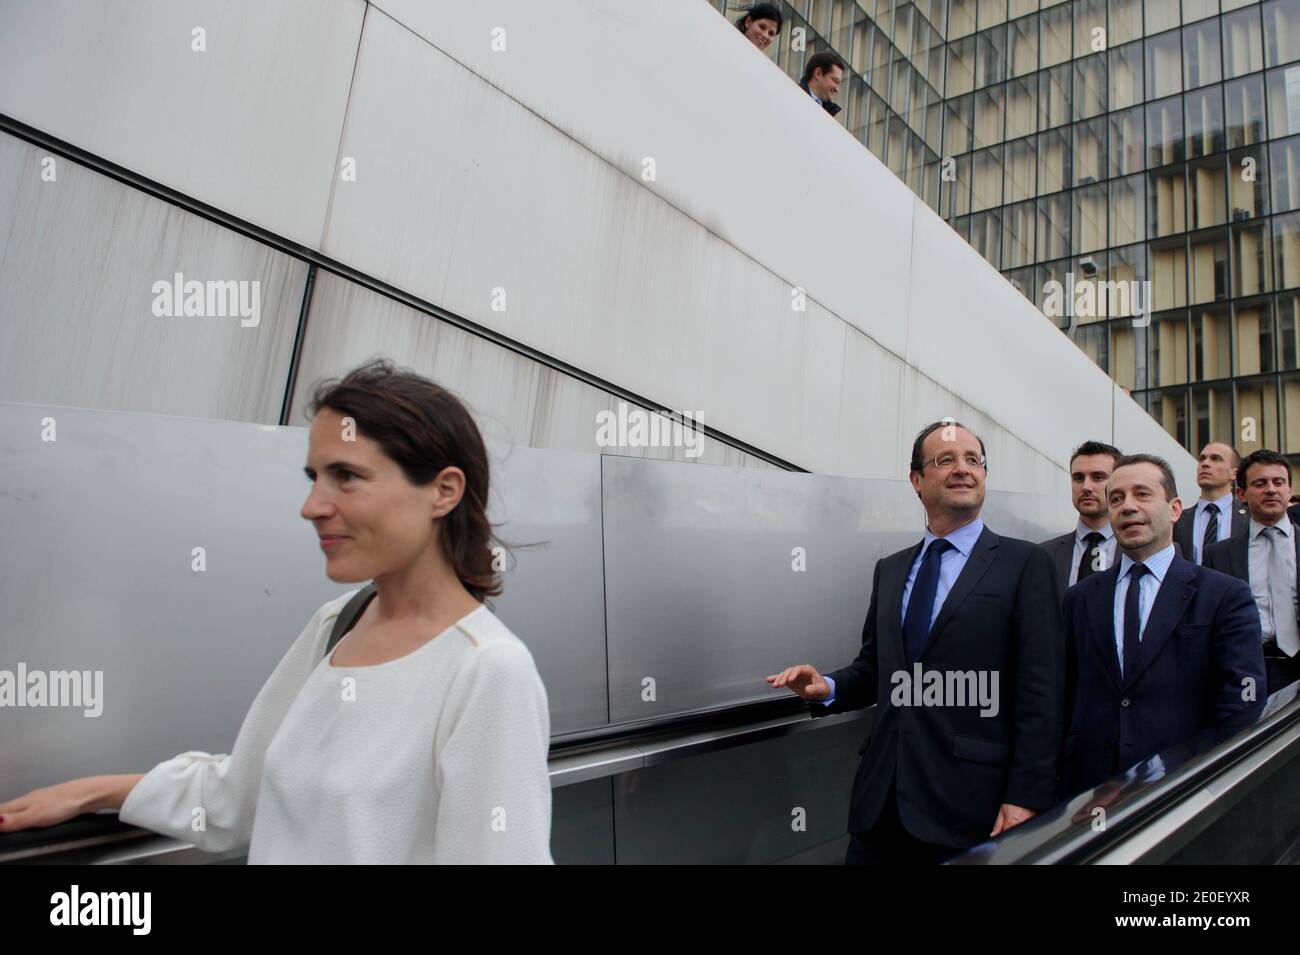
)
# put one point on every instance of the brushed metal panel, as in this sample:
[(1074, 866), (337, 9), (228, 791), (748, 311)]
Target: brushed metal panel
[(96, 574), (701, 594), (250, 125), (517, 401), (554, 597), (78, 261)]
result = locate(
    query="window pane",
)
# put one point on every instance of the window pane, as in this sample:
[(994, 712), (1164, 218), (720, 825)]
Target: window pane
[(1212, 411), (1254, 327), (1281, 31), (1126, 86), (1053, 226), (1090, 152), (1243, 48), (1168, 349), (958, 125), (1022, 170), (1244, 111), (1257, 401), (988, 116), (1018, 235), (1252, 263), (1201, 55), (1170, 409), (1284, 173), (1054, 97), (1161, 15), (1288, 340), (961, 18), (1286, 238), (1208, 192), (986, 236), (1166, 200), (1090, 86), (1024, 46), (1089, 26), (987, 187), (1209, 277), (1247, 175), (1090, 205), (1127, 142), (1054, 162), (1199, 9), (1168, 274), (1054, 38), (1165, 143), (991, 49), (1127, 210), (1022, 107), (1204, 122), (992, 12), (1164, 65), (1284, 102), (1125, 22)]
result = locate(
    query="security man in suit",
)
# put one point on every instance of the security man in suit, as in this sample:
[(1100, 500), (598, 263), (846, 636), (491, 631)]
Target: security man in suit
[(1163, 654), (1266, 556), (1217, 515), (942, 772), (1090, 547)]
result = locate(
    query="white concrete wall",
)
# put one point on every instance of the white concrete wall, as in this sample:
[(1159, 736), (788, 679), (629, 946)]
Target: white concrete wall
[(522, 170)]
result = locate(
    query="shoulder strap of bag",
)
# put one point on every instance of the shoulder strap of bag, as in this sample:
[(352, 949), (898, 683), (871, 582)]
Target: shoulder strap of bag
[(348, 616)]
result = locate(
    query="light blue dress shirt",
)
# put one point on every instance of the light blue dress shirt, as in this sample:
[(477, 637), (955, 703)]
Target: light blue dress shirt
[(951, 563), (1157, 565), (1202, 518)]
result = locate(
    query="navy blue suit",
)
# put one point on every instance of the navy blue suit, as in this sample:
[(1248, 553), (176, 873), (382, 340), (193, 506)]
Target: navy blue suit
[(952, 767), (1202, 640)]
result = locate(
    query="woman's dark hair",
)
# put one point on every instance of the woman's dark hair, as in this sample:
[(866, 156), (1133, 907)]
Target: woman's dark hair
[(424, 428), (762, 11)]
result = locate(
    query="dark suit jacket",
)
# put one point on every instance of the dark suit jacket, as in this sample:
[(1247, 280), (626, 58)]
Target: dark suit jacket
[(1183, 529), (1202, 639), (1233, 557), (954, 768), (1061, 550), (831, 108)]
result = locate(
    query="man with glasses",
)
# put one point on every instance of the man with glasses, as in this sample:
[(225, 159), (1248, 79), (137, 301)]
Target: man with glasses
[(964, 608)]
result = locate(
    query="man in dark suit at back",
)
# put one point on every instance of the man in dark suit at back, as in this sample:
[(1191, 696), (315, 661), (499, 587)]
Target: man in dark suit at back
[(1266, 556), (1090, 547), (1217, 514), (963, 653), (1162, 653)]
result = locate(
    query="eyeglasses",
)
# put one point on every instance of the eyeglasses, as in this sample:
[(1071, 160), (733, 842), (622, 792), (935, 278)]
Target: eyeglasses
[(946, 462)]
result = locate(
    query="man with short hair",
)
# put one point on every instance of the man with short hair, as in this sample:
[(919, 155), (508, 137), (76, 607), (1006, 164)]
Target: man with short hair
[(941, 775), (1090, 547), (1217, 515), (1266, 556), (1163, 655), (822, 76)]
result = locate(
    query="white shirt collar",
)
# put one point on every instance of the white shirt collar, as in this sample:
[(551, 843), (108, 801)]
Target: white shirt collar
[(1082, 530), (1157, 564), (1284, 525), (1226, 504)]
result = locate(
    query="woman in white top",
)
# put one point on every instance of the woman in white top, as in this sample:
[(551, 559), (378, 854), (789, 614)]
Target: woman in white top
[(423, 737)]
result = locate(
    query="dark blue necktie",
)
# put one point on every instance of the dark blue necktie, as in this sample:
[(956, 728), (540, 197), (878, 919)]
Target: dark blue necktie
[(920, 602), (1211, 528), (1132, 620)]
